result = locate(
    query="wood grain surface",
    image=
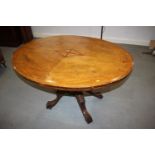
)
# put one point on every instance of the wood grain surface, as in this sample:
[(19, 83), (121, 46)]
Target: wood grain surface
[(72, 62)]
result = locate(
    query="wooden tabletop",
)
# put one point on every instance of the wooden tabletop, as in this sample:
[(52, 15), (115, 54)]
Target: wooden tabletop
[(72, 62)]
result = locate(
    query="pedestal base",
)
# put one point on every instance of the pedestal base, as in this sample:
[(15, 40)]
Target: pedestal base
[(80, 99)]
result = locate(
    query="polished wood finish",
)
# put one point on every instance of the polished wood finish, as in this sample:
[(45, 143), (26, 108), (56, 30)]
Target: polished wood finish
[(72, 62), (51, 104), (80, 99), (72, 65), (81, 102)]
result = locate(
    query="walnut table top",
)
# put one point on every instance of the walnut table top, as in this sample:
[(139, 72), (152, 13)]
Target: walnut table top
[(72, 62)]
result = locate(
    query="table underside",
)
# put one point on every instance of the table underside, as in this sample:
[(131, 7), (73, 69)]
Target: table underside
[(80, 99)]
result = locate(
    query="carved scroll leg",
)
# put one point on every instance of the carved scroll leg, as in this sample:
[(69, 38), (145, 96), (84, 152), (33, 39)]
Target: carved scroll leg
[(96, 94), (51, 104), (81, 102)]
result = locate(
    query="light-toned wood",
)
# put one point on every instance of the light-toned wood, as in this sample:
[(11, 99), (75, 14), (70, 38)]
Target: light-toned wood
[(72, 62)]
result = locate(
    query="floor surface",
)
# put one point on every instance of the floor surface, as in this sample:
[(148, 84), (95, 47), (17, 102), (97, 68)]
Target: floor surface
[(132, 105)]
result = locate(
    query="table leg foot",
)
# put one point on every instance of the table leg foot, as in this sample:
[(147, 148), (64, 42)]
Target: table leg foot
[(96, 94), (81, 102), (51, 104)]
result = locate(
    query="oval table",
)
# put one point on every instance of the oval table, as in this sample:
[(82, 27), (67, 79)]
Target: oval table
[(72, 65)]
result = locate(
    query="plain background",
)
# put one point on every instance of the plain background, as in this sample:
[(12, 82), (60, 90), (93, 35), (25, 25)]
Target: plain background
[(135, 35)]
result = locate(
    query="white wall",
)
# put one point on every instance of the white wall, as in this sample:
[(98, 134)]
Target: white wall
[(138, 35), (43, 31)]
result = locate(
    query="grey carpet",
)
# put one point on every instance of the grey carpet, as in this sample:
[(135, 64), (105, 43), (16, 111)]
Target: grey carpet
[(132, 105)]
